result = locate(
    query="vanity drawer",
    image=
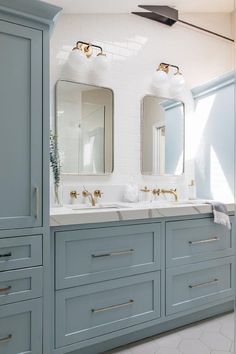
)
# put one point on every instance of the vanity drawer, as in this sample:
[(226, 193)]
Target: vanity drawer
[(20, 252), (193, 241), (92, 310), (18, 285), (88, 256), (198, 284), (21, 328)]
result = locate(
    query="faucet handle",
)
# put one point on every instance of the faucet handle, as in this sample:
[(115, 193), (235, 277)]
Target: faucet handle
[(74, 194), (156, 191), (97, 193), (85, 192), (145, 189)]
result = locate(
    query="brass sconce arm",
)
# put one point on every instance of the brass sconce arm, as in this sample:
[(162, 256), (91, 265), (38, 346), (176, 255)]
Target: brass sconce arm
[(165, 67), (87, 48)]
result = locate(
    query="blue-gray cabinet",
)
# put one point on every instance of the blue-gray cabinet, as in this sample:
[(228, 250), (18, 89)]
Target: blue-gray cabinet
[(122, 281), (24, 177), (106, 307), (188, 287), (21, 126), (20, 284), (21, 328), (20, 252), (87, 256), (193, 241)]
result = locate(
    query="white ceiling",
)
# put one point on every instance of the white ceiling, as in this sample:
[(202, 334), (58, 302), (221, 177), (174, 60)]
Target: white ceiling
[(126, 6)]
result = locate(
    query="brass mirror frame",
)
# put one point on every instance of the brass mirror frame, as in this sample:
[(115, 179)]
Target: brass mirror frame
[(143, 173), (56, 126)]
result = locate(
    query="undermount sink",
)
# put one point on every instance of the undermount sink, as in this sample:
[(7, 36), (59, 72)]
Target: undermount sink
[(96, 207), (191, 202), (177, 203)]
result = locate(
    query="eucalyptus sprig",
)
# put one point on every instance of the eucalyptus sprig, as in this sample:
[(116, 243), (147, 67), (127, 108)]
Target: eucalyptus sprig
[(55, 159)]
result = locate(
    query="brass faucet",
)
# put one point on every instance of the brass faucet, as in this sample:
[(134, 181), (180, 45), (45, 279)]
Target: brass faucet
[(92, 196), (172, 191)]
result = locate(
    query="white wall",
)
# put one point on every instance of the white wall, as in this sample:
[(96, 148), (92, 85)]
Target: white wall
[(213, 140), (136, 46)]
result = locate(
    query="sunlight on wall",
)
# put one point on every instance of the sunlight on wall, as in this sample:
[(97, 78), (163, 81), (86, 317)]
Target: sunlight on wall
[(220, 189), (179, 167), (196, 126), (88, 148)]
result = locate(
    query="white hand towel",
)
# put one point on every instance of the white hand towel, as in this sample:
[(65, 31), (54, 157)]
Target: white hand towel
[(220, 214)]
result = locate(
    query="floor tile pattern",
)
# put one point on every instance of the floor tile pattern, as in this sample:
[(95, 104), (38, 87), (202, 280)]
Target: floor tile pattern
[(213, 336)]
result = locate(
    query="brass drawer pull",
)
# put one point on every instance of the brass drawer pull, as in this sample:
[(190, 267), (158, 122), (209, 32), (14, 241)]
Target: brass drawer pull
[(213, 239), (111, 254), (4, 290), (6, 339), (36, 191), (108, 308), (204, 284), (6, 255)]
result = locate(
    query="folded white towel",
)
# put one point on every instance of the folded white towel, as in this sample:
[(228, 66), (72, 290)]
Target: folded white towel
[(220, 214)]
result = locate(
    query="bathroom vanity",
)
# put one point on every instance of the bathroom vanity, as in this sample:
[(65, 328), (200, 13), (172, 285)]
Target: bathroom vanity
[(88, 279), (138, 272)]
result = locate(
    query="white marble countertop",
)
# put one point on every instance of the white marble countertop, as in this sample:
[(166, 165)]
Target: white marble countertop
[(117, 211)]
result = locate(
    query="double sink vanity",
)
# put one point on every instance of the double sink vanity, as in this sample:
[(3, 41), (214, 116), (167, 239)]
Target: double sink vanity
[(130, 270), (82, 279)]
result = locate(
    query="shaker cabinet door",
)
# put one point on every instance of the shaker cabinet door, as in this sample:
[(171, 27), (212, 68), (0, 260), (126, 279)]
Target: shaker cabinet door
[(20, 126)]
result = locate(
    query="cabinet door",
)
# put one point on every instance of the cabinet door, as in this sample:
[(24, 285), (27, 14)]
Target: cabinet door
[(199, 284), (21, 328), (93, 310), (88, 256), (20, 126)]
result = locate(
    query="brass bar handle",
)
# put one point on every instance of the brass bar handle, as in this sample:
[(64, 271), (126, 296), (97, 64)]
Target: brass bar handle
[(36, 191), (214, 239), (6, 255), (6, 339), (4, 290), (108, 308), (111, 254), (204, 284)]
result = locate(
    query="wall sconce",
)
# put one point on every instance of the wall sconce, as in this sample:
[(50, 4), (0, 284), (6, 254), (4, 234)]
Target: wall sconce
[(84, 51), (162, 78)]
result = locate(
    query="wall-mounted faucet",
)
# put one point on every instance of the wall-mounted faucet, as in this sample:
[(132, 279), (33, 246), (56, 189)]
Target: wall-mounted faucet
[(92, 196), (172, 191)]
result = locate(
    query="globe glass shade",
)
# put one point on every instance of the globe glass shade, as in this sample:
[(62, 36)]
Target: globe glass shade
[(177, 82), (77, 60), (100, 63), (160, 79)]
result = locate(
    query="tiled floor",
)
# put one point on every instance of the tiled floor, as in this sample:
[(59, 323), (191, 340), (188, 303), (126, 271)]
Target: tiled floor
[(214, 336)]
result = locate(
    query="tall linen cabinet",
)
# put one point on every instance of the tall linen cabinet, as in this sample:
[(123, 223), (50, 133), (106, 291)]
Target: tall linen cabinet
[(24, 175)]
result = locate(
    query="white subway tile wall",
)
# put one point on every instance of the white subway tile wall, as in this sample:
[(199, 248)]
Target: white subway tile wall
[(135, 47)]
